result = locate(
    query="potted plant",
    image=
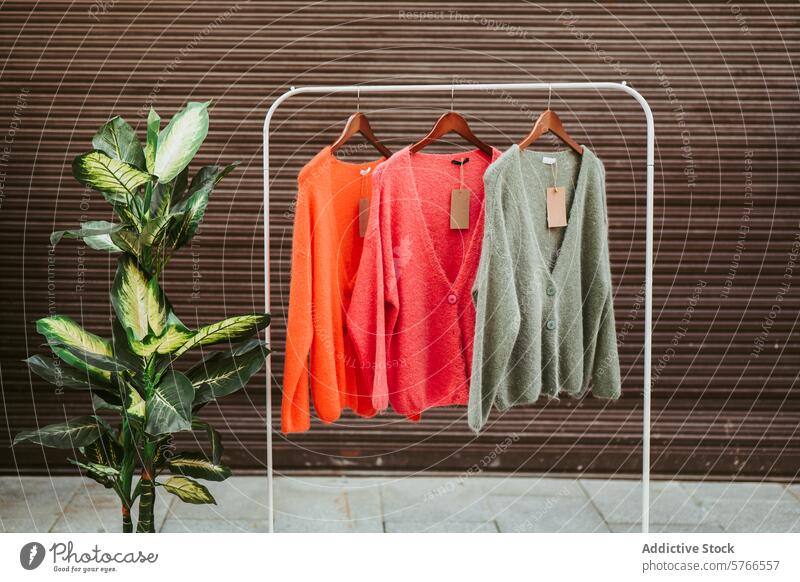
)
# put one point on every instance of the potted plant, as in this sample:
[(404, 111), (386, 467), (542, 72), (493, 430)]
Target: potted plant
[(136, 374)]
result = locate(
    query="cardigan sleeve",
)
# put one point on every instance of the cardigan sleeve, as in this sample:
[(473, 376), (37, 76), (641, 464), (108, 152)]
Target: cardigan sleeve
[(295, 406), (498, 317), (605, 373), (373, 309)]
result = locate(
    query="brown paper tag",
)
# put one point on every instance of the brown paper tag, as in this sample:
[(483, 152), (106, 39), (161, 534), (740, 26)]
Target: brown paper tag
[(459, 209), (556, 207), (363, 216)]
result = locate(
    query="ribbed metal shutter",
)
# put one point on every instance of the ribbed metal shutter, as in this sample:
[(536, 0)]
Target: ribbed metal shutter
[(719, 76)]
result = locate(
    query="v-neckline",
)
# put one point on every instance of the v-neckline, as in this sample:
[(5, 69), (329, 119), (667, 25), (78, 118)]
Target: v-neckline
[(456, 282), (574, 214)]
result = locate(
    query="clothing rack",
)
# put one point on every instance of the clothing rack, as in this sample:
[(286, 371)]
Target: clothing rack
[(452, 88)]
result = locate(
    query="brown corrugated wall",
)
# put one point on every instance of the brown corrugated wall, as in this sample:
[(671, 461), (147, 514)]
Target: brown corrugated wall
[(720, 77)]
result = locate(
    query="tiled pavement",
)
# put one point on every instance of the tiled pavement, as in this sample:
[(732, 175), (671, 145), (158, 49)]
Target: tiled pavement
[(415, 504)]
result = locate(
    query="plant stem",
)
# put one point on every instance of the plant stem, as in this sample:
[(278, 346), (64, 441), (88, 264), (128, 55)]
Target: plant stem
[(147, 499), (146, 523), (127, 523), (126, 474)]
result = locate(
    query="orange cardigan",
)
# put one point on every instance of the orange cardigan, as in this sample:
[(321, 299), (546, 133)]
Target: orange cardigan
[(320, 359)]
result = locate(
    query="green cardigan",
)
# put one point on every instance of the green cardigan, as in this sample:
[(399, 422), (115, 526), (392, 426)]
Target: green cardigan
[(544, 299)]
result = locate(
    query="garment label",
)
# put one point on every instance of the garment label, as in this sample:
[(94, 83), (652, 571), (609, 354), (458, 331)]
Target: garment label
[(556, 207), (548, 161), (363, 216), (459, 209)]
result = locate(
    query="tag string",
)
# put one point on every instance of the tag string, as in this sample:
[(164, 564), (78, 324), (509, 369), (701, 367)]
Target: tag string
[(554, 171), (364, 179)]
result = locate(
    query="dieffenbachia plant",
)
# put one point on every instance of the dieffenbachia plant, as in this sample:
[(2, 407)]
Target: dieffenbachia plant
[(135, 375)]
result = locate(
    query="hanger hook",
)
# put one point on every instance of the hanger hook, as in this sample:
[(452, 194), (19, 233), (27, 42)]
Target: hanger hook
[(358, 98), (549, 94), (452, 94)]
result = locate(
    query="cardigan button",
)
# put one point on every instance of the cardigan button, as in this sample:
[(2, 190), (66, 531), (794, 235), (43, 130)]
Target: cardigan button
[(451, 299), (551, 324), (551, 290)]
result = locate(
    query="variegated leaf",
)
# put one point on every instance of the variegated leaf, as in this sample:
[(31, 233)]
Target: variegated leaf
[(61, 330), (117, 180), (198, 466), (169, 409), (232, 329), (224, 373), (179, 141), (138, 302), (188, 490), (118, 140), (78, 432)]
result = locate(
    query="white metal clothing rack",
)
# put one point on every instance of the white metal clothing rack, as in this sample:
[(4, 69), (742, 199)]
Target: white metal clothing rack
[(580, 86)]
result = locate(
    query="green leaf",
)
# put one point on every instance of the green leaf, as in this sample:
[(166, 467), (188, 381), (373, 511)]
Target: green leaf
[(168, 342), (213, 437), (128, 241), (62, 331), (203, 181), (198, 466), (101, 402), (51, 371), (154, 231), (164, 445), (103, 474), (122, 349), (78, 432), (232, 329), (224, 373), (104, 451), (137, 407), (92, 360), (169, 409), (95, 233), (180, 140), (188, 490), (184, 225), (118, 140), (138, 302), (153, 126), (117, 180)]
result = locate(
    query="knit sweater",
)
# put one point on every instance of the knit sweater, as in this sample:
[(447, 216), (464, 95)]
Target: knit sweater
[(326, 250), (412, 317), (544, 299)]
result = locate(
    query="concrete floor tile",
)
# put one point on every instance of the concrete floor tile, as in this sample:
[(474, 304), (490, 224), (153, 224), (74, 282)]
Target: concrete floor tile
[(755, 516), (620, 502), (97, 509), (236, 497), (533, 486), (666, 528), (285, 523), (406, 504), (745, 492), (545, 514), (33, 504), (176, 525), (422, 499), (395, 526), (327, 505)]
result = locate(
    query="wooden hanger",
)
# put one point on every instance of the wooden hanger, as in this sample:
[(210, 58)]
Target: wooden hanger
[(549, 121), (451, 122), (358, 123)]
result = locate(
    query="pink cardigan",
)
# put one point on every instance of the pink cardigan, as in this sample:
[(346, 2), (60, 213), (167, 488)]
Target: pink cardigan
[(411, 317)]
